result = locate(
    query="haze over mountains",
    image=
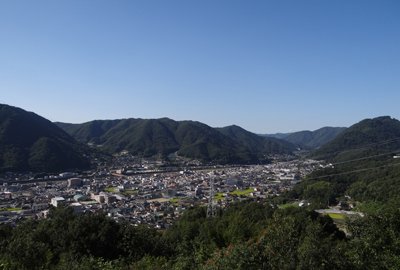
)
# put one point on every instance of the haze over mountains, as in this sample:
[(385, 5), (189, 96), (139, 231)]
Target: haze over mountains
[(310, 139)]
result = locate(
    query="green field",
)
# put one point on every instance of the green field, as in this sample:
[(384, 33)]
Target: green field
[(109, 189), (174, 202), (289, 205), (129, 191), (244, 192), (218, 196), (14, 209), (335, 216)]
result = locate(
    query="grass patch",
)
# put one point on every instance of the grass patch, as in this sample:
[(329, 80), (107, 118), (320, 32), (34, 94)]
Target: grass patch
[(218, 196), (289, 205), (129, 191), (243, 192), (14, 209), (174, 200), (335, 216), (109, 189)]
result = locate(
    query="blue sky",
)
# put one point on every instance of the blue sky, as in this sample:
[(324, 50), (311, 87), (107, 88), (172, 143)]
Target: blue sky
[(267, 66)]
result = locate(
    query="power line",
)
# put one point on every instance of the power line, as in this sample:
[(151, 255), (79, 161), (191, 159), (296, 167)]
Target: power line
[(348, 161), (367, 146), (354, 171)]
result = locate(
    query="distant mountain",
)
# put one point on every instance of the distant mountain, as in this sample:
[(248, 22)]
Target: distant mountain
[(147, 137), (314, 139), (368, 137), (256, 143), (29, 142)]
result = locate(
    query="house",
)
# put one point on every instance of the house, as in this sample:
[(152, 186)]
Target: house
[(57, 200), (342, 205)]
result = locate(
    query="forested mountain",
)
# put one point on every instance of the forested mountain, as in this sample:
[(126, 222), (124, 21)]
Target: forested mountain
[(29, 142), (370, 135), (94, 129), (363, 166), (256, 143), (314, 139), (147, 137), (309, 139)]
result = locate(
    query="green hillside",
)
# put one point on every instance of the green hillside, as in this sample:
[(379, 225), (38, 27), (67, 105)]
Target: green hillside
[(148, 137), (314, 139), (93, 130), (29, 142), (363, 166), (256, 143), (377, 135)]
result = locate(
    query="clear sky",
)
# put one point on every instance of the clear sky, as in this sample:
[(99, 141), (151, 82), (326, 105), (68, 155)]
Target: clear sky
[(267, 66)]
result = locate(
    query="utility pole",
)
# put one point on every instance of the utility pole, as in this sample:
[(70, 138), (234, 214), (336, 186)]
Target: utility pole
[(211, 209)]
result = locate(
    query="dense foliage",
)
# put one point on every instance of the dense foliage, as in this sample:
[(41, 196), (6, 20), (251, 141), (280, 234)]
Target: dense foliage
[(29, 142), (375, 180), (246, 236), (68, 241)]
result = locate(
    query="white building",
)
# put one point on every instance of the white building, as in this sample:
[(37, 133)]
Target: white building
[(56, 200)]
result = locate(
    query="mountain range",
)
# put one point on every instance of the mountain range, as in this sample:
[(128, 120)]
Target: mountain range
[(309, 139), (147, 137), (31, 142), (256, 143), (231, 144)]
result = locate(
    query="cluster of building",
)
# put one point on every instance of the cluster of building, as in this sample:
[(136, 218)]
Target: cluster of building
[(154, 198)]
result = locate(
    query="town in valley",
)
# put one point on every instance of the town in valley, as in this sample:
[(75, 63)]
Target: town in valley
[(146, 191)]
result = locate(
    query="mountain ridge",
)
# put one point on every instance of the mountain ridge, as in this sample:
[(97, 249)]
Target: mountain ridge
[(256, 143), (31, 142), (373, 135), (316, 138), (147, 137)]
